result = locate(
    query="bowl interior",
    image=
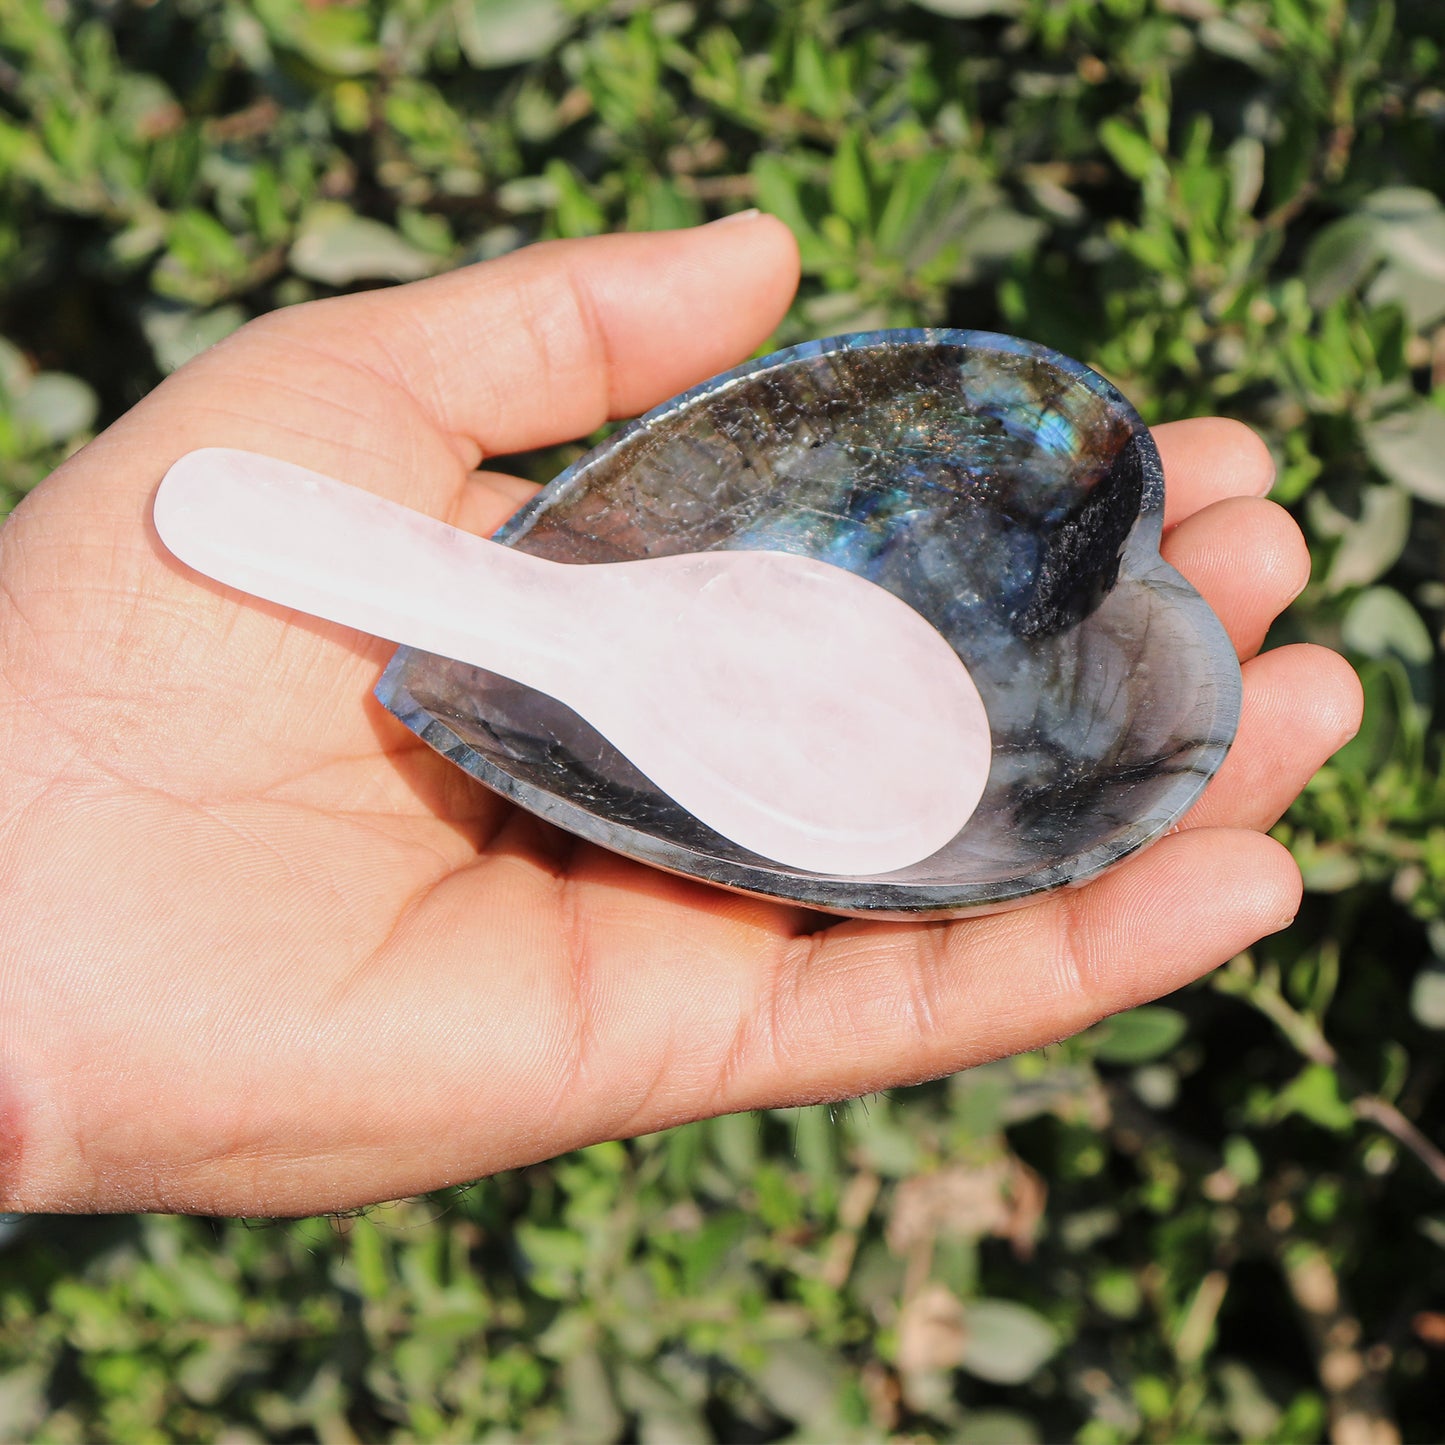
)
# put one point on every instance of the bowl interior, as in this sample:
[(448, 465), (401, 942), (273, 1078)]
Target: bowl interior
[(1007, 493)]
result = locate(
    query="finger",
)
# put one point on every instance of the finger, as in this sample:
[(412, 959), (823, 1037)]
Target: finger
[(1301, 705), (549, 342), (1207, 459), (1248, 560), (675, 1002), (488, 499), (871, 1006), (638, 1001), (402, 391)]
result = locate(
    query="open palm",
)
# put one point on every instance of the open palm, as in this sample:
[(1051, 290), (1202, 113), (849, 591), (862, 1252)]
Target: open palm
[(262, 952)]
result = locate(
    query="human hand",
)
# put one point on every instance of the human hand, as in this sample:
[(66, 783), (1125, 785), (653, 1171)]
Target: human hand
[(262, 952)]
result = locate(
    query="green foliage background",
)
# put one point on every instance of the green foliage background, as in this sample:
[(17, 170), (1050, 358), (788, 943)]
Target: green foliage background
[(1215, 1218)]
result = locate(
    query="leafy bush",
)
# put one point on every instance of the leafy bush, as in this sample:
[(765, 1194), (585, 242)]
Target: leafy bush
[(1212, 1219)]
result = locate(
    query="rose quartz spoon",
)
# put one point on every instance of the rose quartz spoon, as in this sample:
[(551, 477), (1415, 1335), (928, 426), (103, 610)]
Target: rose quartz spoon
[(793, 707)]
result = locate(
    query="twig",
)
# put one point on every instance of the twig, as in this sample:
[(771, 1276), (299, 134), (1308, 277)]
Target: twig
[(1307, 1037), (1386, 1116), (1359, 1411)]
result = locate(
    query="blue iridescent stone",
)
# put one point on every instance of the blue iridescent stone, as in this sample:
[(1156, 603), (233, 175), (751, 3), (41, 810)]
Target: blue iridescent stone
[(1008, 493)]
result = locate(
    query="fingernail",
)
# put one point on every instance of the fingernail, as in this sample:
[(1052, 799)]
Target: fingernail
[(749, 215)]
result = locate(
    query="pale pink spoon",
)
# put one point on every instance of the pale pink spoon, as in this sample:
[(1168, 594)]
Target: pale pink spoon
[(793, 707)]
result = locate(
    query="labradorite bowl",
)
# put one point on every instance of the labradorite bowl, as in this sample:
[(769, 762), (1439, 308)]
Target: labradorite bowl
[(1009, 494)]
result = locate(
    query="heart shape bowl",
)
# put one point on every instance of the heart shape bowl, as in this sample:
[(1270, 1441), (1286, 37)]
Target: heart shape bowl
[(1009, 494)]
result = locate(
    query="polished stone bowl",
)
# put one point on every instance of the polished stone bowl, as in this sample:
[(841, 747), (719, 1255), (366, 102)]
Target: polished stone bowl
[(1008, 493)]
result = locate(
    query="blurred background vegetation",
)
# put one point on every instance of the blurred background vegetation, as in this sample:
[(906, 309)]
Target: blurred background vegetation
[(1216, 1218)]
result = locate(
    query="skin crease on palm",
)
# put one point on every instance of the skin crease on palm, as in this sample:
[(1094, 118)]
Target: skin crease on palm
[(261, 952)]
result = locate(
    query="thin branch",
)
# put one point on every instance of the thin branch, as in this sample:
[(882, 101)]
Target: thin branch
[(1307, 1037), (1384, 1115), (1352, 1383)]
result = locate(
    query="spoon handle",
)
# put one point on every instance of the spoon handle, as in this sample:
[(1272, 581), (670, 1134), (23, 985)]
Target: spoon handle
[(307, 541)]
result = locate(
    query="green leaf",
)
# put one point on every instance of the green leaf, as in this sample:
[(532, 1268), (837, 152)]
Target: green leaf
[(1418, 243), (369, 1259), (736, 1140), (14, 369), (55, 407), (848, 181), (592, 1414), (970, 9), (1137, 1036), (338, 247), (1419, 298), (1247, 1404), (802, 1381), (210, 1370), (1382, 623), (981, 1098), (1401, 203), (992, 235), (702, 1254), (23, 1403), (557, 1255), (1367, 543), (1315, 1095), (1007, 1342), (1246, 173), (577, 212), (780, 191), (665, 1417), (1236, 41), (814, 86), (207, 1292), (1408, 447), (202, 245), (905, 210), (880, 1139), (996, 1427), (1340, 258), (177, 333), (1132, 152), (660, 206), (337, 39), (1117, 1292), (1241, 1158), (495, 33), (1427, 997)]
